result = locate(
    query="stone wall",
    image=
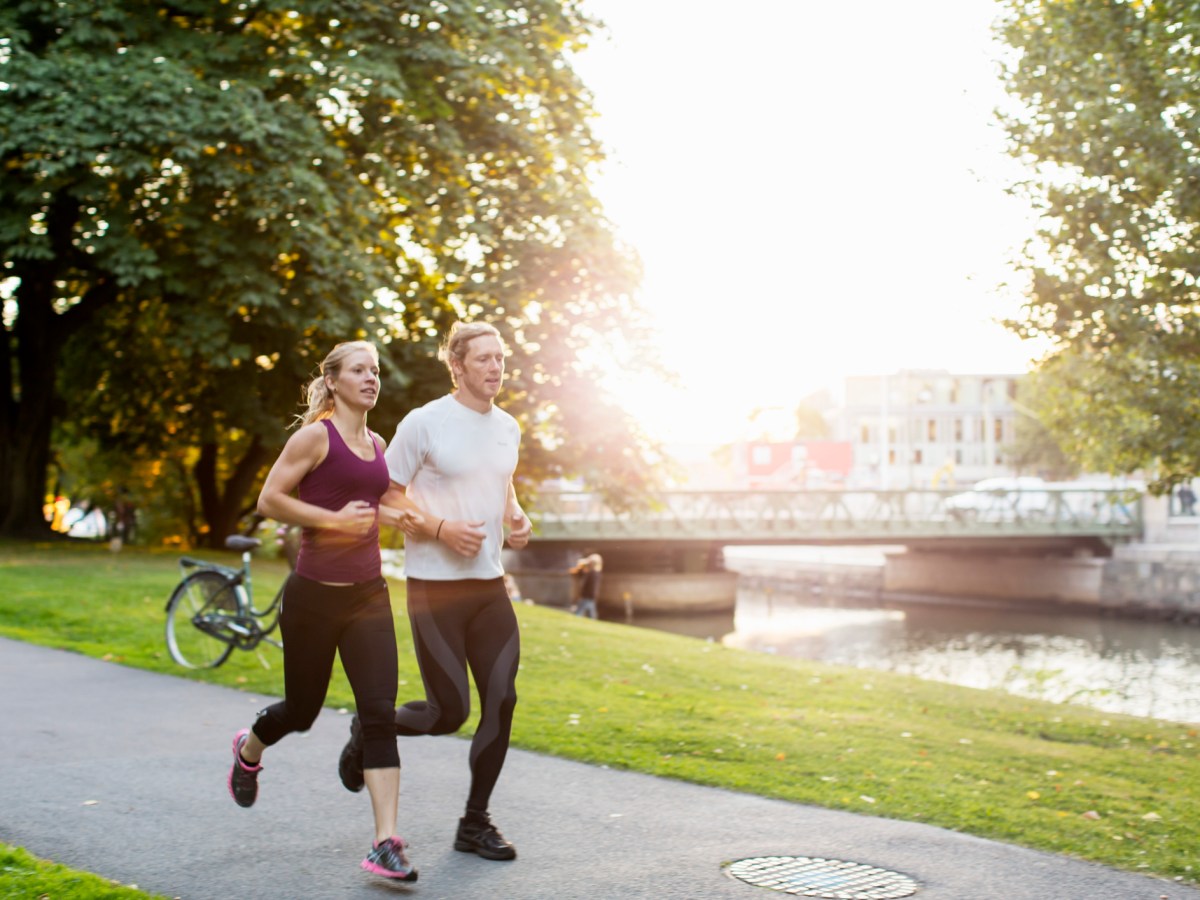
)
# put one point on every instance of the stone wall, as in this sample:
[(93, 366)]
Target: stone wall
[(1156, 580), (1054, 580), (859, 582), (632, 592)]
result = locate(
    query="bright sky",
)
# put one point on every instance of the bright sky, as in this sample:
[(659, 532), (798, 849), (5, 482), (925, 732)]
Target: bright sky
[(816, 191)]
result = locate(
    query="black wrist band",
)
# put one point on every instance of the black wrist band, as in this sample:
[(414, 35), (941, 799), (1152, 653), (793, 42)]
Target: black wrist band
[(437, 534)]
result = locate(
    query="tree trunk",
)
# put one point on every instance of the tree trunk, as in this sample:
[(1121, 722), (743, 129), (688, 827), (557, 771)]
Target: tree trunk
[(223, 508), (29, 358), (28, 405), (24, 460)]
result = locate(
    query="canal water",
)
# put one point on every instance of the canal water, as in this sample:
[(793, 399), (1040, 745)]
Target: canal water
[(1142, 668)]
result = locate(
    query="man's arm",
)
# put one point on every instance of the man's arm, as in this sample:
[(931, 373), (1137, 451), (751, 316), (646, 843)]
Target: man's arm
[(463, 537), (516, 520)]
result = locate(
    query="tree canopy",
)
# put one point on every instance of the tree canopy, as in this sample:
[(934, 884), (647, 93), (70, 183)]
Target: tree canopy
[(198, 199), (1107, 104)]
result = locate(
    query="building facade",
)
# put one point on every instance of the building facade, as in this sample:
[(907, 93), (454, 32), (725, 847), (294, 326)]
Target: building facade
[(928, 428), (763, 465)]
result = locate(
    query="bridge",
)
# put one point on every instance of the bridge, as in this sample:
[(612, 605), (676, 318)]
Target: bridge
[(1061, 518), (667, 553)]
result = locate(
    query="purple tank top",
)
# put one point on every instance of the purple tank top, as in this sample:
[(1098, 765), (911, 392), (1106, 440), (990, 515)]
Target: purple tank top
[(342, 476)]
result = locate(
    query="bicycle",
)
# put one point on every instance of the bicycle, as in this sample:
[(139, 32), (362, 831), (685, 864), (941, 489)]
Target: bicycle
[(211, 612)]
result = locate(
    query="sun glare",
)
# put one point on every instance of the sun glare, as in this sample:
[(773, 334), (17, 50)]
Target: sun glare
[(824, 202)]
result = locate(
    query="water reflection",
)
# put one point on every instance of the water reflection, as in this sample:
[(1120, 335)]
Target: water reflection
[(1117, 665)]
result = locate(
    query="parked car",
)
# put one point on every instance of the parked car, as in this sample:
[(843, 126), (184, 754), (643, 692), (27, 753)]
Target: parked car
[(1001, 500)]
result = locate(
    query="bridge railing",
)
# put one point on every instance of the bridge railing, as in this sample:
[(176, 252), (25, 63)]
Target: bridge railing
[(773, 515)]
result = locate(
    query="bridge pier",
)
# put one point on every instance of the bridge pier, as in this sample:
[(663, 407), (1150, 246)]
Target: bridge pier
[(1001, 576), (638, 577)]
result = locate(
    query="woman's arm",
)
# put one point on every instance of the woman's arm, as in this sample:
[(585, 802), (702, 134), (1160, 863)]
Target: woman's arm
[(395, 508), (303, 452)]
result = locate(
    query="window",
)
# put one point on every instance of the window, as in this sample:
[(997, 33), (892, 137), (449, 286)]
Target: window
[(931, 430), (917, 456), (760, 454), (958, 431)]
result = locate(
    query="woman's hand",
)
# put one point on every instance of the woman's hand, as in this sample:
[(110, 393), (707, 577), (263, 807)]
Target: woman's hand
[(410, 522), (356, 517)]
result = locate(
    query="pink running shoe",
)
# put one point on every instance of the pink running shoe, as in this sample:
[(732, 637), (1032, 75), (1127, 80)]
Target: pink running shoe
[(243, 779), (387, 859)]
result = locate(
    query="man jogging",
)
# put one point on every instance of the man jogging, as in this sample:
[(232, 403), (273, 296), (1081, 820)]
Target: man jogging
[(451, 463)]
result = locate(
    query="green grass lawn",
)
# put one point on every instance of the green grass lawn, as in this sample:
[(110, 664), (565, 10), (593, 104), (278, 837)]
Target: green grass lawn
[(23, 875), (1116, 790)]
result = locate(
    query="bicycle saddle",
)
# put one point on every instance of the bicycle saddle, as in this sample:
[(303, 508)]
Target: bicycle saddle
[(242, 544)]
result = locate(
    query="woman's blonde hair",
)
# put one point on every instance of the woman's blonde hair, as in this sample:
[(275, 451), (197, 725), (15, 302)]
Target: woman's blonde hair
[(317, 394), (454, 348)]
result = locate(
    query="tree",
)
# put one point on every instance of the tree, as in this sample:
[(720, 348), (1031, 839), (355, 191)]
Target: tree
[(1107, 100), (1034, 448), (199, 199), (810, 424)]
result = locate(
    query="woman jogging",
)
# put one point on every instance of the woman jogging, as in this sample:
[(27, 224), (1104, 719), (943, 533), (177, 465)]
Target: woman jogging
[(329, 479)]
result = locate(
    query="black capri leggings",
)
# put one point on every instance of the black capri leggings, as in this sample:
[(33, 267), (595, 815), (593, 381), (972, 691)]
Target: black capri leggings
[(355, 622), (456, 624)]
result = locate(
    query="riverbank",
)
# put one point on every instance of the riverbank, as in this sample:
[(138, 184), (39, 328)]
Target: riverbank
[(1152, 581)]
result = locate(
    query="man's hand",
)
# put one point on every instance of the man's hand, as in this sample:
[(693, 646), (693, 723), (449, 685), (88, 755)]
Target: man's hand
[(521, 529), (464, 538)]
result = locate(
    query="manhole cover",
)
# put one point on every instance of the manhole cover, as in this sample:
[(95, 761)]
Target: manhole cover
[(804, 876)]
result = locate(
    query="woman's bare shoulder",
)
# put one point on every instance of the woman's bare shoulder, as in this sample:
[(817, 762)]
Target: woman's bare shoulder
[(308, 439)]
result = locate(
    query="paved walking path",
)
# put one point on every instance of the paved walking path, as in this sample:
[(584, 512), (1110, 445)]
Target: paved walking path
[(122, 773)]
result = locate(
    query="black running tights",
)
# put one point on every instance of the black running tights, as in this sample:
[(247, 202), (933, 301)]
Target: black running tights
[(355, 622), (458, 625)]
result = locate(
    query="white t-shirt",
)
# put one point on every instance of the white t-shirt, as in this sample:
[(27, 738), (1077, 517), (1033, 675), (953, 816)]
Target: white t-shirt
[(455, 463)]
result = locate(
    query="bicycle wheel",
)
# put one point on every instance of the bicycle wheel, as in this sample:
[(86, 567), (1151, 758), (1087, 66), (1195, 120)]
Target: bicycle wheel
[(200, 600)]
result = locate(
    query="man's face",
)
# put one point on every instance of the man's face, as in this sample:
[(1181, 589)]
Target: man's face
[(482, 370)]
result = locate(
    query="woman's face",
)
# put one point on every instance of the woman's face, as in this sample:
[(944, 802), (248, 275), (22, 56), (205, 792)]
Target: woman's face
[(357, 382)]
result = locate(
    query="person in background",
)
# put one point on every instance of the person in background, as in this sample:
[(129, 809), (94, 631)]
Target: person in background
[(514, 590), (589, 568), (451, 464), (329, 479), (1187, 500)]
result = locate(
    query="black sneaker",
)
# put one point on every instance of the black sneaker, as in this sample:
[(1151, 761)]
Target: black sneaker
[(387, 859), (243, 779), (350, 763), (483, 839)]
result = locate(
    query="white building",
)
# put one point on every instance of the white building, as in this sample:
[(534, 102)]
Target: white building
[(928, 428)]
